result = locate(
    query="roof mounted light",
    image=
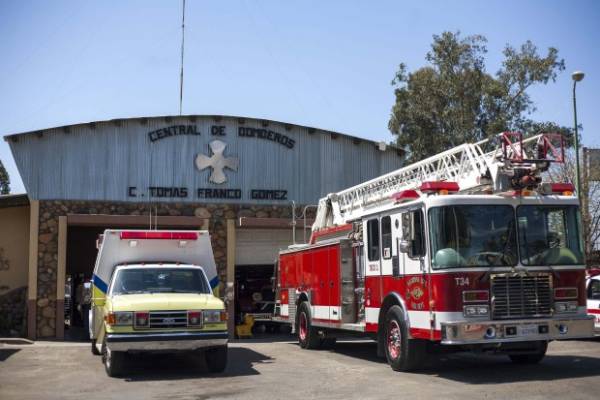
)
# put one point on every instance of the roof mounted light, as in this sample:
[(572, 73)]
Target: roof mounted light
[(158, 235), (405, 195), (439, 187), (565, 189)]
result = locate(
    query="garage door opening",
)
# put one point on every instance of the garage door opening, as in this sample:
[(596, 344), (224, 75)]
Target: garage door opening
[(254, 296), (81, 257), (80, 260)]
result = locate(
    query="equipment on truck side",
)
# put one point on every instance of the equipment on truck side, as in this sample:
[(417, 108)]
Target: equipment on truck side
[(467, 249)]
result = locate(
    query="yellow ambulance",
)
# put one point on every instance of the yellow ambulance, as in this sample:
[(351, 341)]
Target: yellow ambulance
[(152, 291)]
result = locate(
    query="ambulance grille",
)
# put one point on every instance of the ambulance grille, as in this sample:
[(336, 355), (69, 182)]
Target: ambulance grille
[(168, 319), (515, 296)]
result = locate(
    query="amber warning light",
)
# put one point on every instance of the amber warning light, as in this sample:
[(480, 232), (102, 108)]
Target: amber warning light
[(159, 235)]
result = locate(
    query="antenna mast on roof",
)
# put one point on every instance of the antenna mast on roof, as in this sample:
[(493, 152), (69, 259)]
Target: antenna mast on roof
[(181, 72)]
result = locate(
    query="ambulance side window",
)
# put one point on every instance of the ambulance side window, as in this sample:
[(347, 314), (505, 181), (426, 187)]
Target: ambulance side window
[(386, 237), (373, 239)]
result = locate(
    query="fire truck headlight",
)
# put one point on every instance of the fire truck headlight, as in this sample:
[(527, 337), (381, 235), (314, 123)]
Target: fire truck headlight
[(476, 311), (565, 306)]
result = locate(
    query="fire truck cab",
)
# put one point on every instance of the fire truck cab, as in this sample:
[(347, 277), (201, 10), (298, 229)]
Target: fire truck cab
[(152, 291), (496, 268)]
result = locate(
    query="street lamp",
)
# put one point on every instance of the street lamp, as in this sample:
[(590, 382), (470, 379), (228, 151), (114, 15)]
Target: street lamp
[(577, 76)]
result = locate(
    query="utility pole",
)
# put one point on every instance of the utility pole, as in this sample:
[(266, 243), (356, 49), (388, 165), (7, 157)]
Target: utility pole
[(182, 47)]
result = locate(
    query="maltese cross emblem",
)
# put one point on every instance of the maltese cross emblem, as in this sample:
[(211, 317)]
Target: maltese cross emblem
[(218, 162)]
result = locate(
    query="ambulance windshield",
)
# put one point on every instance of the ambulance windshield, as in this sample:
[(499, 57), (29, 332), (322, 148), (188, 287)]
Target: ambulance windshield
[(159, 280), (473, 235)]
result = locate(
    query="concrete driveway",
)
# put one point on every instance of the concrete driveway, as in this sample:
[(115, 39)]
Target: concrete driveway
[(278, 369)]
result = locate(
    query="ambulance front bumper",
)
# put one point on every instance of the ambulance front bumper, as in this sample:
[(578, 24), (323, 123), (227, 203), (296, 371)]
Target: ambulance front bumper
[(482, 332), (178, 341)]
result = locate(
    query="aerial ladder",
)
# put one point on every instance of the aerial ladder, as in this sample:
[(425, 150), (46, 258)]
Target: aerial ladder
[(504, 162)]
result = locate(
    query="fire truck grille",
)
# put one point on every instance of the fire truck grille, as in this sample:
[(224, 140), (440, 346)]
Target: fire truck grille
[(515, 296), (168, 319)]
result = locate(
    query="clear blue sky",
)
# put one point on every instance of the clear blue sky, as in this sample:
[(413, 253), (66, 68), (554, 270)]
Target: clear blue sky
[(322, 64)]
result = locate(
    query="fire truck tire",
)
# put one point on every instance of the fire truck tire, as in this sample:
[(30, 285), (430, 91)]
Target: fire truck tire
[(113, 361), (216, 359), (94, 348), (402, 353), (532, 358), (308, 337)]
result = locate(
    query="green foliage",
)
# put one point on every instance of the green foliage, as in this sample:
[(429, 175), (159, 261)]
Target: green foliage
[(454, 100), (4, 180)]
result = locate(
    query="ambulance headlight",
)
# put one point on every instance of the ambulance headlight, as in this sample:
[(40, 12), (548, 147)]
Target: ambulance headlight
[(119, 318), (214, 316)]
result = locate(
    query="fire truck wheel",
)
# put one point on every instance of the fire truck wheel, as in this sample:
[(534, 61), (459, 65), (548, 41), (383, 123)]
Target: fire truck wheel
[(94, 348), (216, 359), (402, 353), (308, 337), (532, 358), (113, 361)]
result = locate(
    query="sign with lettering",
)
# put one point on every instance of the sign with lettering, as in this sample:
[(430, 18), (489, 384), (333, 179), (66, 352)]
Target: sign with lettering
[(207, 193)]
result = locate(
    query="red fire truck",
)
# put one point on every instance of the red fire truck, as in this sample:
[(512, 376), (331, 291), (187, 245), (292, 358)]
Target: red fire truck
[(468, 249)]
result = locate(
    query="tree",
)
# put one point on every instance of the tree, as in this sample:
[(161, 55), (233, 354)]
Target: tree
[(4, 180), (454, 100)]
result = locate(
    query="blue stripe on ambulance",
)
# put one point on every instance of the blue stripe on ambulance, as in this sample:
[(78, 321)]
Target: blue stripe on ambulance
[(99, 283)]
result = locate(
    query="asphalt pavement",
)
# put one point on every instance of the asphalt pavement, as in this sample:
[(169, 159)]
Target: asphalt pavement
[(276, 368)]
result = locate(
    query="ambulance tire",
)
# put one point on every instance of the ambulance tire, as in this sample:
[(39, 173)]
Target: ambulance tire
[(113, 361), (533, 358), (308, 337), (94, 348), (216, 359), (402, 353)]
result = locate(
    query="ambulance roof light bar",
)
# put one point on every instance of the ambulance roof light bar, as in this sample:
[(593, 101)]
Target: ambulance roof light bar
[(158, 235)]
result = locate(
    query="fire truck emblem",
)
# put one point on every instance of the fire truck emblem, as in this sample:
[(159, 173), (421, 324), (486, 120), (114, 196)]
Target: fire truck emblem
[(416, 293), (217, 162)]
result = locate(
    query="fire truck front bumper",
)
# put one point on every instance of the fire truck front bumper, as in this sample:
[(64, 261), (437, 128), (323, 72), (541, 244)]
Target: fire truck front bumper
[(176, 341), (481, 332)]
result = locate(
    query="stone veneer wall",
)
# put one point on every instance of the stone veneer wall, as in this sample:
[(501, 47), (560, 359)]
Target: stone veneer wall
[(48, 239), (13, 313)]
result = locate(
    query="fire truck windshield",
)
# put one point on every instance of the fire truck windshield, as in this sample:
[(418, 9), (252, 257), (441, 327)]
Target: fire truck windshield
[(549, 235), (473, 235)]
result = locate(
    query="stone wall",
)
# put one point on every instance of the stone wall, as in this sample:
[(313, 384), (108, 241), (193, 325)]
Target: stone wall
[(48, 239), (13, 313)]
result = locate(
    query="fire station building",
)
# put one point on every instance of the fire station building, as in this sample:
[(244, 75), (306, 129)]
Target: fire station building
[(242, 179)]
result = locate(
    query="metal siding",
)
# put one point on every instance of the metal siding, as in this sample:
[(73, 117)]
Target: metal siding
[(101, 163)]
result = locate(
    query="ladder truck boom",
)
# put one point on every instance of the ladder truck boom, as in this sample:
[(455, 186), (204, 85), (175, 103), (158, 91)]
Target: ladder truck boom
[(472, 165)]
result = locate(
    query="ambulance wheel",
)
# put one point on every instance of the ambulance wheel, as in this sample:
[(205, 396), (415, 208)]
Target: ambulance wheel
[(113, 361), (402, 353), (216, 359), (94, 348), (532, 358), (308, 337)]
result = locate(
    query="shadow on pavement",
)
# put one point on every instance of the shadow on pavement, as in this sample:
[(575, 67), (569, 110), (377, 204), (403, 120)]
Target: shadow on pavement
[(268, 338), (147, 367), (5, 353), (485, 369)]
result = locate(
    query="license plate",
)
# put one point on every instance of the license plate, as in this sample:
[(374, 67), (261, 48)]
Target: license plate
[(527, 330)]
